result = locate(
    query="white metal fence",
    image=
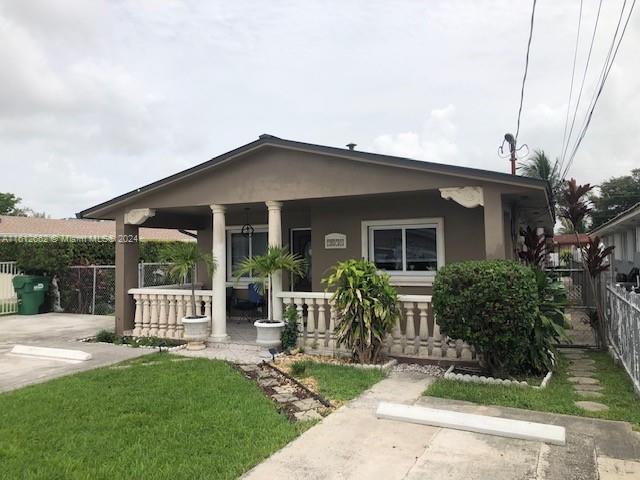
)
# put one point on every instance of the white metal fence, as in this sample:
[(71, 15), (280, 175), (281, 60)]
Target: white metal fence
[(623, 312), (8, 298)]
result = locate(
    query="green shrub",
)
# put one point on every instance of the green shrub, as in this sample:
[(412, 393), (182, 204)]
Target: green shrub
[(367, 306), (289, 335), (106, 336), (299, 368), (548, 325), (492, 305)]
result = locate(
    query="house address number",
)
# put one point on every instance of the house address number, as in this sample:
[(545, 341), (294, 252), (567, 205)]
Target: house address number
[(335, 241)]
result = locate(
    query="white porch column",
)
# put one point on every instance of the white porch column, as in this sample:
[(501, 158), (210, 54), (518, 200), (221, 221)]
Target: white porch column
[(275, 240), (219, 283)]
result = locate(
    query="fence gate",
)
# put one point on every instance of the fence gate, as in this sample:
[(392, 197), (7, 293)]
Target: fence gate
[(8, 298)]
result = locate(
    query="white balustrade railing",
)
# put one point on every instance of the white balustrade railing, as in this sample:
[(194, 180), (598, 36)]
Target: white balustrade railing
[(8, 297), (159, 312), (623, 312), (415, 334)]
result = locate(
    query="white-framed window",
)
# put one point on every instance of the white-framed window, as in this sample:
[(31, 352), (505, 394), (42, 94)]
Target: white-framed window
[(409, 250), (240, 246)]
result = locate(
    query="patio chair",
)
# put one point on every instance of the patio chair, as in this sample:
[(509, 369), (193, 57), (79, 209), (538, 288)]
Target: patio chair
[(250, 306)]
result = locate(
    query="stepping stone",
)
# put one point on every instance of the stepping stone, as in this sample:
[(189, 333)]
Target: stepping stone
[(307, 404), (576, 356), (581, 373), (249, 368), (584, 380), (588, 393), (582, 362), (267, 382), (592, 406), (308, 415), (284, 389), (284, 397), (591, 388)]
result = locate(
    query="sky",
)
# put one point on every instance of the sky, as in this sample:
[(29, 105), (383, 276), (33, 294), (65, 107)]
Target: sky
[(100, 97)]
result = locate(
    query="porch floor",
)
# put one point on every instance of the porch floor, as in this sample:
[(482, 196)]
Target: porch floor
[(241, 330)]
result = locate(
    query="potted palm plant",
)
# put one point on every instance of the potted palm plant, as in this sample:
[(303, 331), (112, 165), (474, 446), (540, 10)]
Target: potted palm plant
[(264, 267), (184, 256)]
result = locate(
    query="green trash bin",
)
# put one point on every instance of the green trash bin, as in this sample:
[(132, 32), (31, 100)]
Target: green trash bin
[(31, 290)]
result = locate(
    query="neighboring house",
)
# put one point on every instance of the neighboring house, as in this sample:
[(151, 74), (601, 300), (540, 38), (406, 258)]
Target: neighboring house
[(567, 242), (623, 232), (34, 229), (410, 217)]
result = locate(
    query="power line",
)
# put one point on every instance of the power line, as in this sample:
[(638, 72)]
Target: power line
[(573, 73), (606, 70), (526, 67), (584, 77)]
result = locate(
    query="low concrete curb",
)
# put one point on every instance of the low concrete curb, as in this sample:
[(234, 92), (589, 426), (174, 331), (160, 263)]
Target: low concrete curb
[(52, 353), (501, 427)]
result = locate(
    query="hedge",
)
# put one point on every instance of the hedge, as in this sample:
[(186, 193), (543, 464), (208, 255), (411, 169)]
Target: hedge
[(55, 257), (492, 305)]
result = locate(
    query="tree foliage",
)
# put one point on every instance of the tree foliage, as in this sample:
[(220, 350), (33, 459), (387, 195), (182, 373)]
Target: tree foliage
[(616, 195), (539, 166), (367, 307), (595, 256), (535, 244), (9, 205), (575, 204)]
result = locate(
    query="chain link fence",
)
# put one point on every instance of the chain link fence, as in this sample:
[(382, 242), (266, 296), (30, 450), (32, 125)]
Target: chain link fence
[(90, 289)]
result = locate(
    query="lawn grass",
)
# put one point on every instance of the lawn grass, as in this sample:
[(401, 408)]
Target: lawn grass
[(187, 419), (339, 383), (558, 397)]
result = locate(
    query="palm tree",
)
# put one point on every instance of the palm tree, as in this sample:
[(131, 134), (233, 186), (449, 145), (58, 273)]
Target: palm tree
[(539, 166), (264, 266), (183, 257)]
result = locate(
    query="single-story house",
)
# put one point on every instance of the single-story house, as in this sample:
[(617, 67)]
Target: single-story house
[(14, 228), (567, 242), (328, 204), (623, 232)]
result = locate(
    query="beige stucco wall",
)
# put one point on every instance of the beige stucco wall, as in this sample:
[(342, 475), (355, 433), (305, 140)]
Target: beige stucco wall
[(463, 228)]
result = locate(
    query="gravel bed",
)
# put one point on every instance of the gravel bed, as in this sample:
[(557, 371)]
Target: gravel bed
[(431, 370)]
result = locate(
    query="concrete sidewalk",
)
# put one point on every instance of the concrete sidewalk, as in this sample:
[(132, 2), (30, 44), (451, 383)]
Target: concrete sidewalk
[(58, 331), (353, 444)]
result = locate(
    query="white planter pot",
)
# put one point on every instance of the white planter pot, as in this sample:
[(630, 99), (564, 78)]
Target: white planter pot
[(268, 333), (196, 331)]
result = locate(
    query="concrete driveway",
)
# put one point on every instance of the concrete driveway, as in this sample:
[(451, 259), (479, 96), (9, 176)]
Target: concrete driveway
[(58, 330), (353, 444)]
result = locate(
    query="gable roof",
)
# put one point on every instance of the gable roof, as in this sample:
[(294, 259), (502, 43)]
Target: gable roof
[(620, 222), (266, 140), (33, 227)]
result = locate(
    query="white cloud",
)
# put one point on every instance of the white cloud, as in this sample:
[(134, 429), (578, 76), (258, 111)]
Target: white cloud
[(436, 142)]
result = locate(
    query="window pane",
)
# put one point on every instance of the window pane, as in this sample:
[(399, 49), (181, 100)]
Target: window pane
[(387, 249), (239, 251), (260, 242), (421, 249)]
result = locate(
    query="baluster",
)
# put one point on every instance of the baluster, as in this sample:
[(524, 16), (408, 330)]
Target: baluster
[(423, 337), (311, 328), (171, 322), (465, 351), (449, 348), (189, 308), (435, 341), (207, 306), (162, 320), (179, 315), (410, 328), (396, 337), (153, 330), (322, 325), (301, 331), (146, 316), (137, 322), (333, 314)]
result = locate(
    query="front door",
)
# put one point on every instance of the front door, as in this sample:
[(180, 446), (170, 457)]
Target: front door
[(301, 245)]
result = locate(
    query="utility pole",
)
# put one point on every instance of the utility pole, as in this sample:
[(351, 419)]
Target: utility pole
[(513, 149)]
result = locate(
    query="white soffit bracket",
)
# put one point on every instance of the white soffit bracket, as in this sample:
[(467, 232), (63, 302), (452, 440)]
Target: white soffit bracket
[(468, 197), (502, 427), (138, 216)]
